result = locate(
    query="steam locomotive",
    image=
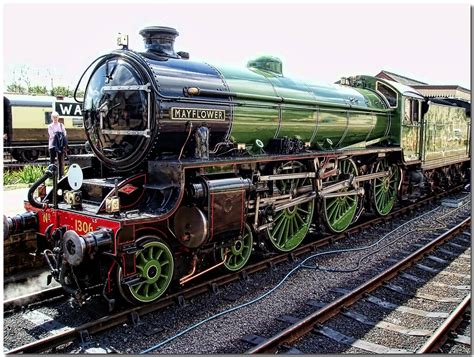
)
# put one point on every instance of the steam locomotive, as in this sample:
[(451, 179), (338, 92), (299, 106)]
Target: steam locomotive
[(198, 167)]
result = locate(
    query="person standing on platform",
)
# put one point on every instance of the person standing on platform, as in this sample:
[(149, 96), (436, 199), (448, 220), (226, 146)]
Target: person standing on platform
[(57, 142)]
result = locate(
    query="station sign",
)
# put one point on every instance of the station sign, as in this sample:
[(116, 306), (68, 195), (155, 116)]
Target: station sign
[(68, 109)]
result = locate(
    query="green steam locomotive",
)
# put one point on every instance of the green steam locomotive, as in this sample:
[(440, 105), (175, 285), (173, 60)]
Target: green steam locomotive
[(197, 167)]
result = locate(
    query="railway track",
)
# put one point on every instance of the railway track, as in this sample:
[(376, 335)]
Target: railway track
[(32, 298), (443, 333), (315, 322), (180, 297)]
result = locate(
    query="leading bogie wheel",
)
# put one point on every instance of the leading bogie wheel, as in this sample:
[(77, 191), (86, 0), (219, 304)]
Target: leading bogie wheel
[(291, 225), (155, 267)]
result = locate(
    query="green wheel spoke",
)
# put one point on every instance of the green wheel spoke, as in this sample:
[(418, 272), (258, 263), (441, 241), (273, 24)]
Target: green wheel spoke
[(287, 228), (385, 191), (280, 216), (378, 193), (332, 203), (333, 212), (296, 223), (282, 229), (330, 214), (150, 253), (298, 217), (344, 208), (137, 287), (345, 205), (291, 226), (240, 252), (340, 212), (277, 227), (377, 199), (155, 269), (392, 192), (302, 210), (159, 255), (294, 226), (146, 288)]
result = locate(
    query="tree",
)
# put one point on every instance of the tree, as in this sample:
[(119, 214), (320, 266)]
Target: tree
[(23, 84), (41, 90), (62, 91), (16, 88)]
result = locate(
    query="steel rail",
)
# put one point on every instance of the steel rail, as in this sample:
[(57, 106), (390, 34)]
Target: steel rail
[(40, 296), (33, 297), (110, 321), (441, 335), (306, 325)]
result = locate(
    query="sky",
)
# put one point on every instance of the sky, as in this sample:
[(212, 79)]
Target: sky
[(54, 43)]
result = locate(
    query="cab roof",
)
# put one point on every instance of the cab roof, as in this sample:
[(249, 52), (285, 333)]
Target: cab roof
[(405, 90)]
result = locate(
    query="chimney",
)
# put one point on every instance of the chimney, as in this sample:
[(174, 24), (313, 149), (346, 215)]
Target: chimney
[(160, 40)]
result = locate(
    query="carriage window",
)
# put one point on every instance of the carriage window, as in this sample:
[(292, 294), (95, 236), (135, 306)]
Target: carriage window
[(47, 117), (388, 93)]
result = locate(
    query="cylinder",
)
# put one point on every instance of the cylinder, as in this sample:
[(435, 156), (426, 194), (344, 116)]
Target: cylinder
[(200, 190)]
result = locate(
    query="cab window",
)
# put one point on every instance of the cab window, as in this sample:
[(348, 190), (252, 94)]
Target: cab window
[(388, 93), (415, 110), (412, 110)]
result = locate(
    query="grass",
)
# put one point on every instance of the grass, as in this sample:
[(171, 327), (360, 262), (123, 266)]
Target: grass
[(27, 175), (13, 179)]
